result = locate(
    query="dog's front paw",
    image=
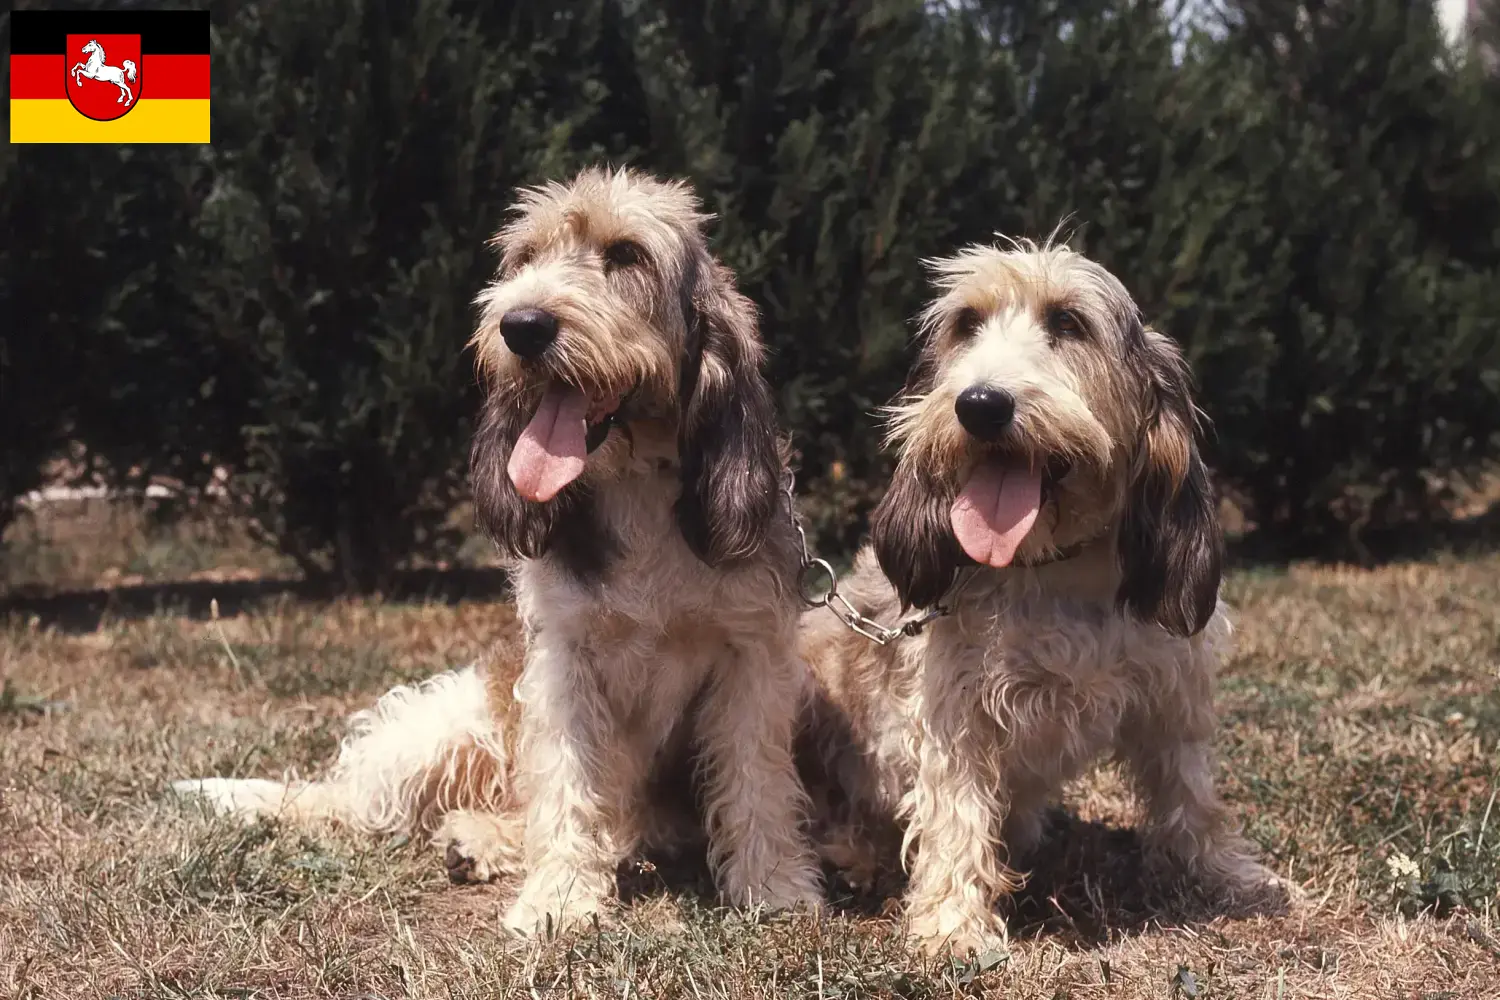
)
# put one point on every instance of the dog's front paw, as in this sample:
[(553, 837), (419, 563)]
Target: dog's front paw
[(957, 929), (478, 847), (1245, 880), (800, 893), (556, 905), (1233, 879), (795, 883)]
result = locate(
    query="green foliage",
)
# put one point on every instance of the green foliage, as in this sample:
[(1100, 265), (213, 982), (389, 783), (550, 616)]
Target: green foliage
[(1311, 204), (363, 154), (823, 137), (99, 345), (1365, 313), (35, 409)]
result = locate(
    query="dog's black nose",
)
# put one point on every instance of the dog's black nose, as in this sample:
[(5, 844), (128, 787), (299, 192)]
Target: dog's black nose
[(528, 332), (985, 412)]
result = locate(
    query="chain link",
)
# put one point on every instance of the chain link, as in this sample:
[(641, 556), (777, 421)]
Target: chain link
[(830, 598)]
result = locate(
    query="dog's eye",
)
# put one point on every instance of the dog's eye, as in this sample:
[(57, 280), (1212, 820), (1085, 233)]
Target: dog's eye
[(622, 253), (966, 323), (1063, 323), (520, 258)]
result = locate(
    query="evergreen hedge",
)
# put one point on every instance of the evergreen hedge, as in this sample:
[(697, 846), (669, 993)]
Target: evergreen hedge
[(1309, 202)]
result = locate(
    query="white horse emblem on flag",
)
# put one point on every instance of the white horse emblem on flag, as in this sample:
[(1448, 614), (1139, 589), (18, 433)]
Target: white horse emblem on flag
[(97, 69)]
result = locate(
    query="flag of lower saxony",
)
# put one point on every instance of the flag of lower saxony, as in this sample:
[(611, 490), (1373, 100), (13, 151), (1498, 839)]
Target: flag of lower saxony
[(122, 76)]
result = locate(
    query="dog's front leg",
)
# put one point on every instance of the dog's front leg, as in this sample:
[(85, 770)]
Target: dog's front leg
[(577, 778), (954, 809), (1167, 748), (755, 801)]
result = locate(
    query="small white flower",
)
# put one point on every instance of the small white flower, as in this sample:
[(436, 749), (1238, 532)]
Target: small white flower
[(1402, 867)]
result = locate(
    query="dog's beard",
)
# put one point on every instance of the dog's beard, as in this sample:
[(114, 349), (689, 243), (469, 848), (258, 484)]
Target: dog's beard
[(552, 451)]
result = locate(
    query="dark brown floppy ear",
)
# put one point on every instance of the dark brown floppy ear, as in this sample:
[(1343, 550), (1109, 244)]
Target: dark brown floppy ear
[(726, 441), (519, 527), (911, 528), (912, 533), (1170, 546)]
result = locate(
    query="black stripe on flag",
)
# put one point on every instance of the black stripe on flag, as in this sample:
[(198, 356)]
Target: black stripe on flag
[(163, 32)]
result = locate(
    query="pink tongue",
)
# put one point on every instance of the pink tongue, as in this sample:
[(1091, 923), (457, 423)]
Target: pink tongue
[(994, 512), (550, 452)]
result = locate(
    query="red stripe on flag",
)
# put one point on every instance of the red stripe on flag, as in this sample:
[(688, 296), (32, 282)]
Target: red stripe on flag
[(37, 77), (175, 77), (40, 78)]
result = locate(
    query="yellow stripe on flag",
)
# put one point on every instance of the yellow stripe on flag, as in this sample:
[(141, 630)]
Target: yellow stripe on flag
[(150, 121)]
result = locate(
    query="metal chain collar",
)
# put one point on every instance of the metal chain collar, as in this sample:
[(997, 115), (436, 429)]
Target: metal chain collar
[(836, 602)]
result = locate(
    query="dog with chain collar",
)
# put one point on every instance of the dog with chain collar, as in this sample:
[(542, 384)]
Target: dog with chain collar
[(1050, 511)]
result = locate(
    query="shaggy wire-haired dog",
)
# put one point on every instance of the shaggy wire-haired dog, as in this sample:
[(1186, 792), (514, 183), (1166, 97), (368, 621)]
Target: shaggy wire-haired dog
[(1050, 496), (628, 459)]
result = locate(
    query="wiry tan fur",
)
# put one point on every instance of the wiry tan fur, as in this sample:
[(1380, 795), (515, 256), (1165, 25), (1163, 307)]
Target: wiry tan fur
[(657, 591), (956, 739)]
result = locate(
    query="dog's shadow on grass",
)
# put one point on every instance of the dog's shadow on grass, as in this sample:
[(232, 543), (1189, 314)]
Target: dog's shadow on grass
[(1086, 884), (1089, 882)]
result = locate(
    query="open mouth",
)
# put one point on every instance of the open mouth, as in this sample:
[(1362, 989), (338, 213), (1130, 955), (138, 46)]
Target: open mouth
[(999, 503), (551, 452)]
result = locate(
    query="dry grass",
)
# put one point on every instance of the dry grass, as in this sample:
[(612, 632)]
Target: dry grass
[(108, 543), (1360, 746)]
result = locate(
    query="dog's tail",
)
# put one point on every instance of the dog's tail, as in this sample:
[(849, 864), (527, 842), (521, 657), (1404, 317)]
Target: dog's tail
[(421, 751)]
